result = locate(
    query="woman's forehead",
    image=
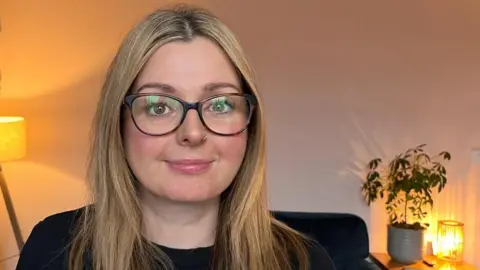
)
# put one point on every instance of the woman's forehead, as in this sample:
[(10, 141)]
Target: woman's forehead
[(198, 65)]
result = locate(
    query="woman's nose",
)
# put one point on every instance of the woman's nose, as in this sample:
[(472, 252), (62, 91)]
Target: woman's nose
[(191, 131)]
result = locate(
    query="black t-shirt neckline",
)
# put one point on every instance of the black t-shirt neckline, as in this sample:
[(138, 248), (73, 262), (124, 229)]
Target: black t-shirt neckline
[(194, 257)]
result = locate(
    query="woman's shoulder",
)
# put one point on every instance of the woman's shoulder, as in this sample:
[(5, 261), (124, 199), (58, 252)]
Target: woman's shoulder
[(319, 258), (303, 248), (48, 241)]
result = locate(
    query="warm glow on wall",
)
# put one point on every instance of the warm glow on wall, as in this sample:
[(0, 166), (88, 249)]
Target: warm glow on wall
[(450, 241)]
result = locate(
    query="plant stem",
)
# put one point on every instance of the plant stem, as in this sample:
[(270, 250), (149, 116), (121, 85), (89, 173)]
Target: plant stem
[(406, 204)]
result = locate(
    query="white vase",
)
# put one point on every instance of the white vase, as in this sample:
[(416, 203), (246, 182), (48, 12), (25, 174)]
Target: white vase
[(405, 245)]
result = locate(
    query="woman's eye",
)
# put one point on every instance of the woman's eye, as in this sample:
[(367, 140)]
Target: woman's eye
[(221, 105), (157, 109)]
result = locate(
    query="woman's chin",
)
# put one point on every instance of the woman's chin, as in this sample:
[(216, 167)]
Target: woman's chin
[(186, 188), (189, 194), (190, 197)]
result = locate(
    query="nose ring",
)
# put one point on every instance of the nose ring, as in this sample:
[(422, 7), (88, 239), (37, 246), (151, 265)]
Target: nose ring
[(204, 138)]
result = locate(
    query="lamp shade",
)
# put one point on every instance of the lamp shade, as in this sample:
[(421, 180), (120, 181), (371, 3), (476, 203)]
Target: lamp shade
[(13, 138), (450, 240)]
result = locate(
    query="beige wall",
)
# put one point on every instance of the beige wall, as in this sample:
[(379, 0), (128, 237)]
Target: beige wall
[(342, 81)]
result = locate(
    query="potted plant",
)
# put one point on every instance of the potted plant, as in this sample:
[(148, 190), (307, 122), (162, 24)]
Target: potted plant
[(407, 184)]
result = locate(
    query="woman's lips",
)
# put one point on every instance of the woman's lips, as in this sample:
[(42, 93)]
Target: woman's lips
[(190, 166)]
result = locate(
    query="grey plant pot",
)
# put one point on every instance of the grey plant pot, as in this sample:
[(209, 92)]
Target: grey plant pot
[(405, 246)]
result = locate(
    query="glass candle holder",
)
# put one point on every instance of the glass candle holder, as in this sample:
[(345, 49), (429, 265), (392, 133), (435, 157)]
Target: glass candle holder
[(450, 241)]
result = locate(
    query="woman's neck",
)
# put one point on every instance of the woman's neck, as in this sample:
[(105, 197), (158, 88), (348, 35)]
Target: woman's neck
[(179, 225)]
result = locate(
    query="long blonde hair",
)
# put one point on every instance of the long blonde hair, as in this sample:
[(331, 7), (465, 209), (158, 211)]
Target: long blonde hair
[(109, 233)]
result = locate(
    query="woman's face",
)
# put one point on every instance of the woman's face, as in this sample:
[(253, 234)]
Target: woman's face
[(183, 165)]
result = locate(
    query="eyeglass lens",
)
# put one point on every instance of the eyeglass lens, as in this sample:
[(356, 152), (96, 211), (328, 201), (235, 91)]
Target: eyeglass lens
[(158, 114)]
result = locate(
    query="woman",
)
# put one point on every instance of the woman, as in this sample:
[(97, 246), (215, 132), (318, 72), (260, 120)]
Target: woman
[(177, 163)]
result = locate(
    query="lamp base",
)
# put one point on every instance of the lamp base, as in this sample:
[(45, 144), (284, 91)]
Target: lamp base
[(11, 211)]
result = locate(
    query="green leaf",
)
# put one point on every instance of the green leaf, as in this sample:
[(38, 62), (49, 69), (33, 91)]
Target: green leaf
[(373, 164), (421, 145), (446, 155)]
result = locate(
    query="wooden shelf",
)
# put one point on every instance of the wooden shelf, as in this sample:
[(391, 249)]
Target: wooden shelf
[(385, 263)]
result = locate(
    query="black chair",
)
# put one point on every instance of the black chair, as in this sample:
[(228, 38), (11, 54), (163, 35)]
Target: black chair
[(344, 236)]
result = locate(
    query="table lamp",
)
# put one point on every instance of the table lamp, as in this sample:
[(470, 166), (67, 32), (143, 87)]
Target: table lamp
[(450, 241), (12, 147)]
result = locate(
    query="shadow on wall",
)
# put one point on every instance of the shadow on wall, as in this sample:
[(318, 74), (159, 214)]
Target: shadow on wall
[(52, 176), (37, 191), (58, 124)]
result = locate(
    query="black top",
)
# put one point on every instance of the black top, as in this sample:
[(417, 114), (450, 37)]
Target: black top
[(48, 242)]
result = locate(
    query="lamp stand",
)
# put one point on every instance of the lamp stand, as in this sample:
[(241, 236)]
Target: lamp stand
[(11, 211)]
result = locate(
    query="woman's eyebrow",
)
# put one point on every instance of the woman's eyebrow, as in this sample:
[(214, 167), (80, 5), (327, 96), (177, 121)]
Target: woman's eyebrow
[(160, 86), (213, 86), (209, 87)]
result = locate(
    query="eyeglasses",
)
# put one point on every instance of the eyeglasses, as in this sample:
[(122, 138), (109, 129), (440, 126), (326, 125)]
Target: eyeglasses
[(160, 114)]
